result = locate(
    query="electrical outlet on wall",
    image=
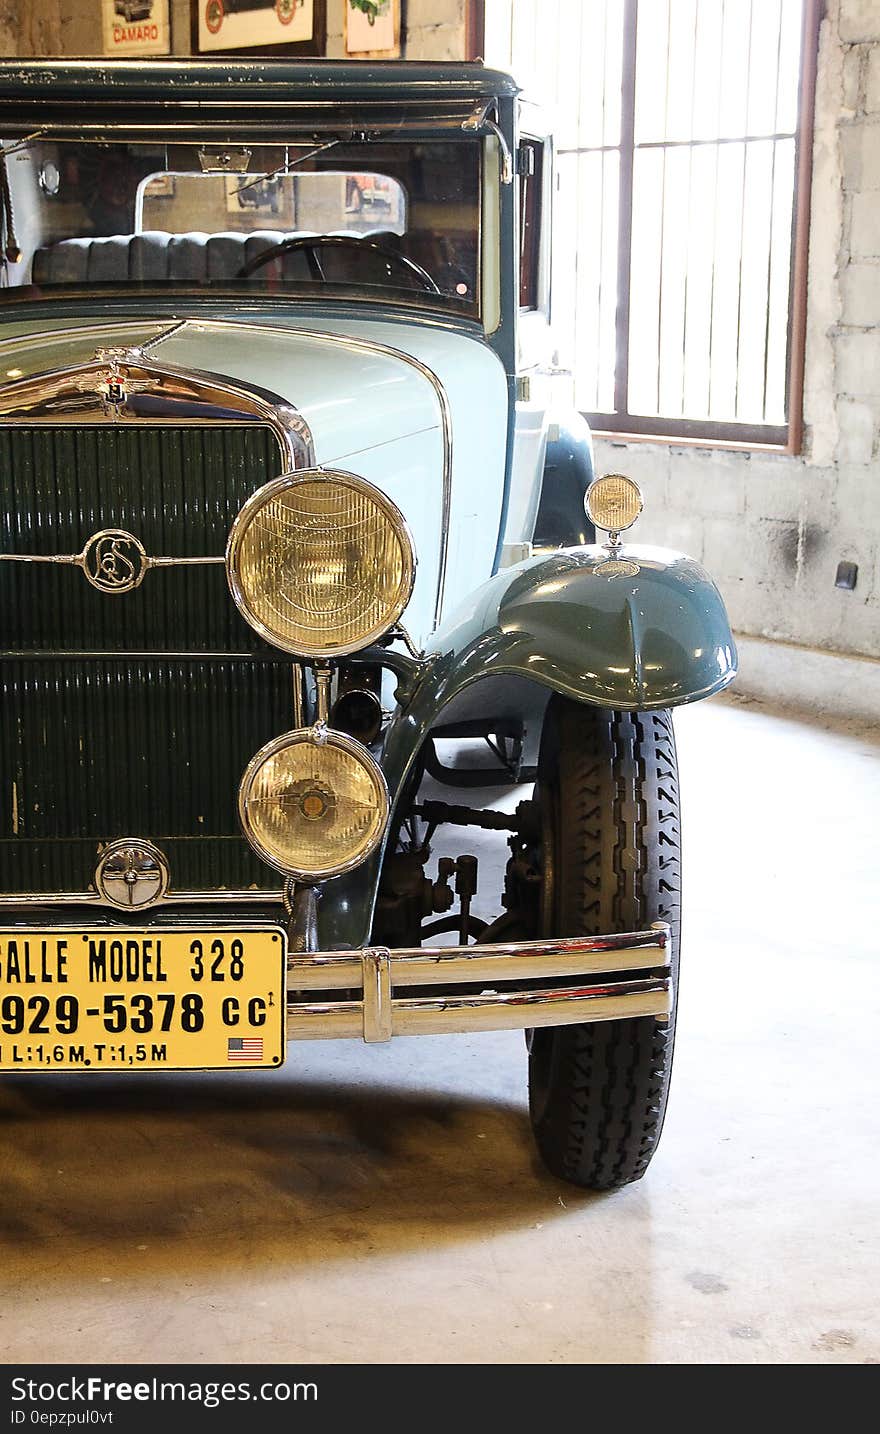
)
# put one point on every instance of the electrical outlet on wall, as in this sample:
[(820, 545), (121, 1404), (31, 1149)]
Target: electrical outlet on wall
[(846, 576)]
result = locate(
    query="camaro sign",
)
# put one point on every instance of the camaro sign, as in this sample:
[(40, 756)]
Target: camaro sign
[(136, 27)]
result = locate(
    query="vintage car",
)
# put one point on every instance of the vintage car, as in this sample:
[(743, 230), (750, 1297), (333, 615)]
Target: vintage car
[(133, 9), (281, 520), (217, 10)]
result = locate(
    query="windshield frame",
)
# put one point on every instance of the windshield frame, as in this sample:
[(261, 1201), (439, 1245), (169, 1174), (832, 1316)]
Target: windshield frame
[(486, 268)]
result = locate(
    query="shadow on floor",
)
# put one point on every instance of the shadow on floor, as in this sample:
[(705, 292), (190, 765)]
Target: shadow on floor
[(178, 1167)]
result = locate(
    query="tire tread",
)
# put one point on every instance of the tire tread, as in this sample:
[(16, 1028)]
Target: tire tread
[(617, 869)]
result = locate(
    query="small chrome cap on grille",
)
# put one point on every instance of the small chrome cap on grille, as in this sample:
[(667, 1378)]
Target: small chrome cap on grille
[(132, 873)]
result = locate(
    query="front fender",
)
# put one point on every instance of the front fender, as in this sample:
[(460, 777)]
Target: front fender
[(640, 629)]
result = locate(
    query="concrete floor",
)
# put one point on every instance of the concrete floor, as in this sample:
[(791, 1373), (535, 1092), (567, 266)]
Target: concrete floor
[(384, 1204)]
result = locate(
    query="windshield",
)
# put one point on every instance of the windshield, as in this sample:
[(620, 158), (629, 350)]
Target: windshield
[(386, 220)]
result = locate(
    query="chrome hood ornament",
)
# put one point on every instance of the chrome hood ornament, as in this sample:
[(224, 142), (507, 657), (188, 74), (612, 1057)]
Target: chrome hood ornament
[(116, 386)]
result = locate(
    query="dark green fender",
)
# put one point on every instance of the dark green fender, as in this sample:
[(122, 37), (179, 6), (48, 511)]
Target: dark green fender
[(645, 628)]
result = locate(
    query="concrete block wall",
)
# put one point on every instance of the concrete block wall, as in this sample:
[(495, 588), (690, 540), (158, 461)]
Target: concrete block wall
[(772, 528)]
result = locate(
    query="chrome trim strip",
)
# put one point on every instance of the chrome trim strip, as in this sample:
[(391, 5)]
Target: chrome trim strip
[(113, 561), (644, 990), (273, 114), (36, 654), (358, 345), (507, 961), (167, 334), (297, 676), (171, 898), (497, 1011), (97, 392)]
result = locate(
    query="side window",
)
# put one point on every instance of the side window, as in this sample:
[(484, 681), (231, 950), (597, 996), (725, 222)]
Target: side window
[(531, 180)]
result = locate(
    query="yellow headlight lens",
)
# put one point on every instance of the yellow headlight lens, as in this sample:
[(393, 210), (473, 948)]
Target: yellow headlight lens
[(313, 803), (320, 564), (613, 502)]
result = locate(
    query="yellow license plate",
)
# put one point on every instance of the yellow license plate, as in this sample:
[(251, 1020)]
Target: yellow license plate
[(135, 999)]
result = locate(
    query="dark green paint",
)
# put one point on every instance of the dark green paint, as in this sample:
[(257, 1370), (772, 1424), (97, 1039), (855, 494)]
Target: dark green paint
[(94, 750), (237, 85), (657, 638)]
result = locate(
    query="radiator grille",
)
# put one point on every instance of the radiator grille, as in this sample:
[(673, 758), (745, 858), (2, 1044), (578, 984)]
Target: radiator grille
[(176, 489), (94, 748)]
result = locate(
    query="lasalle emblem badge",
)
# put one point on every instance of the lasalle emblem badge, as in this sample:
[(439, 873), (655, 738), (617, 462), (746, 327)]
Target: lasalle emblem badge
[(114, 561)]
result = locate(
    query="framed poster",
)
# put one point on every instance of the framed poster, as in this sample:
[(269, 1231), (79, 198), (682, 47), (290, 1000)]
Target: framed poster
[(136, 27), (291, 27), (372, 29)]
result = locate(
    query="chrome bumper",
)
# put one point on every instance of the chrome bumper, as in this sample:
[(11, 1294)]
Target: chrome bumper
[(512, 986)]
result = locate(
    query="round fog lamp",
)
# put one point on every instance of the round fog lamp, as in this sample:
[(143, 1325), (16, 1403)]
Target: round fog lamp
[(614, 502), (320, 563), (313, 803)]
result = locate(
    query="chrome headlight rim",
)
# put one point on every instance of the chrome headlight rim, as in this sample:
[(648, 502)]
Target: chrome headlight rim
[(284, 483), (319, 736), (590, 498)]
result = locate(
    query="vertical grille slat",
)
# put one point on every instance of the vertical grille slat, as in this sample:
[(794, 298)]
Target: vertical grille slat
[(94, 748)]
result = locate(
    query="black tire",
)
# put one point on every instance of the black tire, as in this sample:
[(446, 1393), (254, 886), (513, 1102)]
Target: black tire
[(608, 789)]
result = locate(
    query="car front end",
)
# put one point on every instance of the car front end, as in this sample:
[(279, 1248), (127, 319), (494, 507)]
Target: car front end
[(259, 557)]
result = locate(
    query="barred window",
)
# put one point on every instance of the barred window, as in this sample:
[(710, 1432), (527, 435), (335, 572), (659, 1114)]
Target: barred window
[(683, 132)]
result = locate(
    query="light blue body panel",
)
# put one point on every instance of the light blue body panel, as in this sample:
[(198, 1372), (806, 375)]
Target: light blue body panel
[(373, 395), (643, 628)]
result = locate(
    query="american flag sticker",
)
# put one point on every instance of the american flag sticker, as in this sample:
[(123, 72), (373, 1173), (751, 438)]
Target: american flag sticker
[(244, 1048)]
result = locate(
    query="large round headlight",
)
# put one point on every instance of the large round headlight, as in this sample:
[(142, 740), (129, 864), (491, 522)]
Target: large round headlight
[(313, 803), (320, 563), (613, 502)]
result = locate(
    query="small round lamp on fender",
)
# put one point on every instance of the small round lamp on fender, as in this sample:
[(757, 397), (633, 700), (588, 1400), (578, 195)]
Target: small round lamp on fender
[(613, 503)]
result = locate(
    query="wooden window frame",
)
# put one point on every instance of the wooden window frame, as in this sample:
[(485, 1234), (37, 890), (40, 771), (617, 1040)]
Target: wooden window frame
[(621, 424), (785, 438)]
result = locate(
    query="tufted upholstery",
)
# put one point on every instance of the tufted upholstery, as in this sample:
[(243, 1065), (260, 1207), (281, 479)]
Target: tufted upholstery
[(156, 256)]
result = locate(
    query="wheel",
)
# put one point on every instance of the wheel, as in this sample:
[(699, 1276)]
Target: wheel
[(608, 793), (214, 13)]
